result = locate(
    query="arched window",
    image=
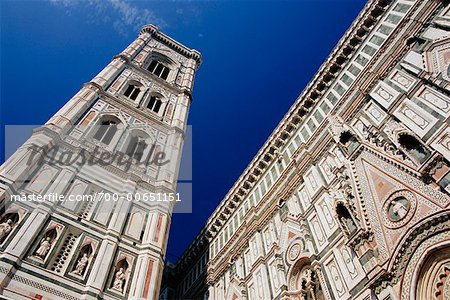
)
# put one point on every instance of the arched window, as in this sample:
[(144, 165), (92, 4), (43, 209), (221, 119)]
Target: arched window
[(414, 147), (132, 91), (136, 147), (105, 131), (158, 69), (154, 104)]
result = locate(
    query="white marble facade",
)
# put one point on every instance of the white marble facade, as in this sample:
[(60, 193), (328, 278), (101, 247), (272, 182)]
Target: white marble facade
[(353, 182), (100, 249)]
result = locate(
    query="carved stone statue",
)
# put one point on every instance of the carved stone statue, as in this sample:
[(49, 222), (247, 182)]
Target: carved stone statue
[(307, 275), (5, 229), (44, 247), (119, 279), (81, 265), (350, 225)]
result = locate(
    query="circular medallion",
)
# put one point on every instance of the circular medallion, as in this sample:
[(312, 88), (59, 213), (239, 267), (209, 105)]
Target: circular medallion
[(399, 208), (294, 252)]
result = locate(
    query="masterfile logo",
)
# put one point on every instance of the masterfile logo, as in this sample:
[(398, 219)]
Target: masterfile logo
[(147, 160)]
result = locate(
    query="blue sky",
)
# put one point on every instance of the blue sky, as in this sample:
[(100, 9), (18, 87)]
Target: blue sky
[(257, 58)]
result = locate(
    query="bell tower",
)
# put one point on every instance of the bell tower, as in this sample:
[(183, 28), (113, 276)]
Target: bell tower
[(87, 199)]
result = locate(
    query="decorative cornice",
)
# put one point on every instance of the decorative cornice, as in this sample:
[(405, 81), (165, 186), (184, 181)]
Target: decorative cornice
[(168, 41), (307, 99)]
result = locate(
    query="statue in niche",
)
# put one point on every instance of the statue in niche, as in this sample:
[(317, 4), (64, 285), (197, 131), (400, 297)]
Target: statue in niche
[(44, 247), (346, 219), (81, 265), (350, 225), (414, 147), (119, 279), (348, 140), (5, 229)]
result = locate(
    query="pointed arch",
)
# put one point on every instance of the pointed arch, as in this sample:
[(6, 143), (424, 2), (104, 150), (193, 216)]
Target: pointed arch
[(156, 103), (137, 144), (133, 90), (106, 129), (160, 65), (414, 262), (303, 281), (347, 221)]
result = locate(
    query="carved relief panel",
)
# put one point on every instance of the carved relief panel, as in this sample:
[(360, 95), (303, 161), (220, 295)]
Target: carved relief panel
[(402, 80), (304, 197), (384, 94), (435, 100), (415, 117), (317, 231), (324, 209), (326, 166), (335, 277), (313, 181), (375, 113), (350, 266)]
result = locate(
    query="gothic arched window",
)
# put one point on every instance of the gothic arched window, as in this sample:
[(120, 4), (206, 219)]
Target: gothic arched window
[(154, 104), (132, 91), (106, 129), (159, 69), (136, 147), (414, 147)]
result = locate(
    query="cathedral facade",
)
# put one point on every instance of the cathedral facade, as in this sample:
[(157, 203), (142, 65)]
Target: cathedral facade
[(79, 217), (349, 196)]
